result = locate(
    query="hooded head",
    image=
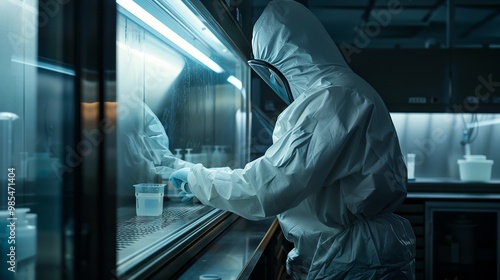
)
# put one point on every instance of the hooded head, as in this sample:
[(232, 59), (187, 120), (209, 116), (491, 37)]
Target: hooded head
[(289, 36)]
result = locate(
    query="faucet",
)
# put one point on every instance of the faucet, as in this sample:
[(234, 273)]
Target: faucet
[(466, 141)]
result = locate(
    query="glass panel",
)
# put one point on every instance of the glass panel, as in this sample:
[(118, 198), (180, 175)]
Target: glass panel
[(181, 98), (36, 86)]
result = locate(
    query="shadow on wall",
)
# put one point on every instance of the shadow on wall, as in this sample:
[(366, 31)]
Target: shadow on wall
[(435, 139)]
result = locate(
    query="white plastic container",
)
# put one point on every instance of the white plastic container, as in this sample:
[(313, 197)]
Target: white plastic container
[(475, 168), (149, 199)]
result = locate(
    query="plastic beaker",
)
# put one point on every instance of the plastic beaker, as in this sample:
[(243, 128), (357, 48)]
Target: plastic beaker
[(149, 199)]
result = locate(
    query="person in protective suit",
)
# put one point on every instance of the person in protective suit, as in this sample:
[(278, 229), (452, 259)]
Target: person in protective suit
[(334, 174)]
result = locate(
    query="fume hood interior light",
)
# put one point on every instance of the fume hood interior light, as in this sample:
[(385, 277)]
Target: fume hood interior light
[(196, 23), (161, 28), (235, 82)]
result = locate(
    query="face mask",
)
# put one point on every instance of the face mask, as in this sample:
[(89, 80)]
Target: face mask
[(280, 90), (274, 78)]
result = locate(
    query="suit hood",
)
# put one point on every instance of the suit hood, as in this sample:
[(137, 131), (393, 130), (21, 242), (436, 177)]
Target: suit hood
[(291, 38)]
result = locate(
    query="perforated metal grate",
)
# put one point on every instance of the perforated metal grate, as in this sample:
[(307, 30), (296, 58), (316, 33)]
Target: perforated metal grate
[(136, 228)]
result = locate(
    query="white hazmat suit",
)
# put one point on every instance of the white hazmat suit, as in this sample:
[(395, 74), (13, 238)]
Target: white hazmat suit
[(334, 174)]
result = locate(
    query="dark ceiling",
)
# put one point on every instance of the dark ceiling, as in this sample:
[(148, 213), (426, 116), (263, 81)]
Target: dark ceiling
[(407, 24)]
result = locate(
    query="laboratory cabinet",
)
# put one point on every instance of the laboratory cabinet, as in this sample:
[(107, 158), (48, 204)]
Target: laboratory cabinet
[(456, 225), (475, 80), (408, 80), (462, 240), (100, 99), (464, 80), (431, 56)]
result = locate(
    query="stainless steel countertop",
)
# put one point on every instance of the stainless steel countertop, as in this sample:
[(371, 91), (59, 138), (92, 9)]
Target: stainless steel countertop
[(237, 250), (448, 187), (444, 180)]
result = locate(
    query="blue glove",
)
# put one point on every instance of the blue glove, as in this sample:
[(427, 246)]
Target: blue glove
[(179, 180)]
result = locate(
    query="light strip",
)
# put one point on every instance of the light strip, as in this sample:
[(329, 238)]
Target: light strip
[(157, 25), (233, 80), (196, 23), (483, 123)]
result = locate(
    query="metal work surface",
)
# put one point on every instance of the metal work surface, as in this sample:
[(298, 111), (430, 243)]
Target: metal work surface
[(136, 228), (229, 255), (136, 234)]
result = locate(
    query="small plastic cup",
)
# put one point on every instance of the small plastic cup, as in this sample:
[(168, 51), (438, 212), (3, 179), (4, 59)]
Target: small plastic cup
[(149, 199)]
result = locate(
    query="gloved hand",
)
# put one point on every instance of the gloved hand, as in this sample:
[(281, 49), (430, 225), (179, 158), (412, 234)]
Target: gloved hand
[(179, 180)]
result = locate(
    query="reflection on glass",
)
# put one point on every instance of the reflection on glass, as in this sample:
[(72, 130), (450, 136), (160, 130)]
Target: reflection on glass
[(174, 109), (36, 88)]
